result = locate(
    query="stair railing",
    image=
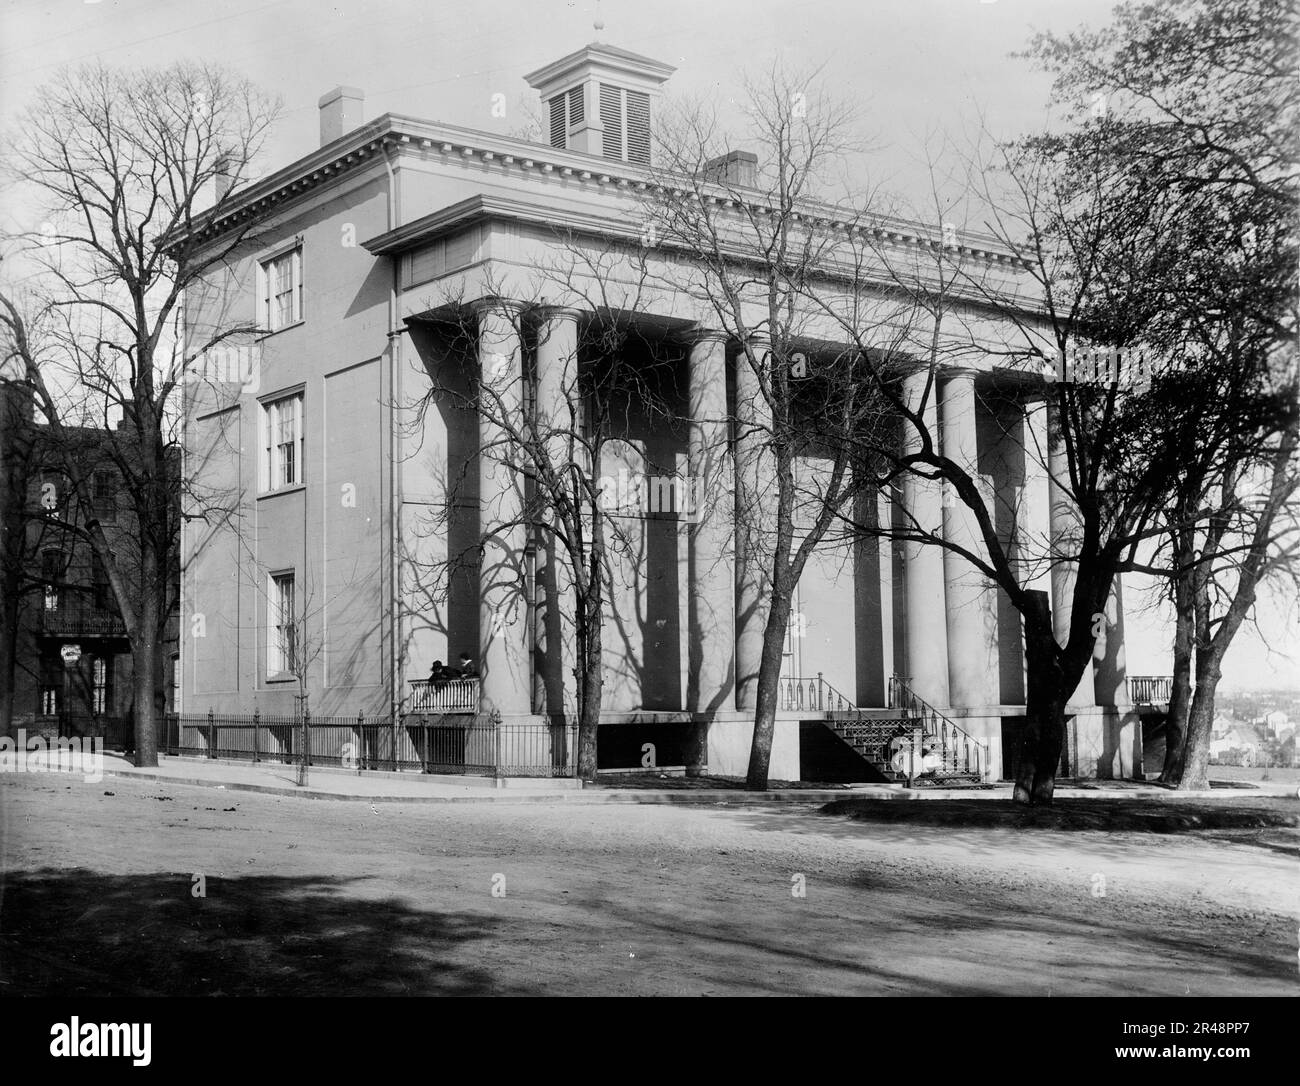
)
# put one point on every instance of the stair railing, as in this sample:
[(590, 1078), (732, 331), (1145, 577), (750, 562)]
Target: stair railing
[(815, 695), (960, 753)]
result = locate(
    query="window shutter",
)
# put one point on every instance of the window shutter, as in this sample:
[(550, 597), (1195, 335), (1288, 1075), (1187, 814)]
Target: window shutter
[(638, 127), (577, 110), (611, 116), (557, 121)]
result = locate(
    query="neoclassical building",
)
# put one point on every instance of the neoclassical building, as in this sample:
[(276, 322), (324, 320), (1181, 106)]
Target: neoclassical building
[(361, 491)]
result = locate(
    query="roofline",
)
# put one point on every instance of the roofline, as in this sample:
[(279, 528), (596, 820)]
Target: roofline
[(611, 55), (361, 146)]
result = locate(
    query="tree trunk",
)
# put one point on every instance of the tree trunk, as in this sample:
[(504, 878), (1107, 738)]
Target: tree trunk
[(144, 677), (1045, 701), (591, 683), (1200, 723), (1180, 694), (769, 681)]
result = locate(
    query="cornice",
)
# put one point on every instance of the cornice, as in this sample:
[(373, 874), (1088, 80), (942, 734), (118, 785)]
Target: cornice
[(409, 135)]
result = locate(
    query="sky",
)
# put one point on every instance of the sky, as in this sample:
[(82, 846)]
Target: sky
[(916, 72)]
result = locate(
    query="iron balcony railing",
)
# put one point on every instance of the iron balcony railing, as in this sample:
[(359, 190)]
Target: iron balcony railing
[(76, 616), (450, 696), (1087, 364), (1150, 689)]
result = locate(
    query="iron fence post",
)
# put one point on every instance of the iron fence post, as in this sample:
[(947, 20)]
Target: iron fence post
[(257, 717), (212, 735)]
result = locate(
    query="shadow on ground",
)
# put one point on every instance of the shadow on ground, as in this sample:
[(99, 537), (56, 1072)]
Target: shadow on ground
[(80, 932), (1142, 815)]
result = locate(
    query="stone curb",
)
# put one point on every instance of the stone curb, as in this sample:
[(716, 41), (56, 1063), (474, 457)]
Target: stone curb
[(711, 797)]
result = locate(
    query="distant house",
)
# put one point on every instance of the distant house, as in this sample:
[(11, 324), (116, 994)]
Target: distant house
[(1223, 723), (1276, 721), (1237, 745)]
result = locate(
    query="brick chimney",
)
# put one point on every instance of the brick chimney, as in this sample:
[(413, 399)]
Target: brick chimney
[(340, 113), (224, 179), (733, 168)]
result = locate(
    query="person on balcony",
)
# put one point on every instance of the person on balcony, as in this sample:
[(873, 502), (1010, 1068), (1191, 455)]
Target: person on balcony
[(440, 675), (467, 668)]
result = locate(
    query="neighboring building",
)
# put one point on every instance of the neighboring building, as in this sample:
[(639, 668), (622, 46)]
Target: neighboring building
[(1238, 745), (73, 660), (351, 256), (1276, 722)]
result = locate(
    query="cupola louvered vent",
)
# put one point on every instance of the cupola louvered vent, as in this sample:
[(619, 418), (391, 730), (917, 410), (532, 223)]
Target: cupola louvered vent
[(599, 101)]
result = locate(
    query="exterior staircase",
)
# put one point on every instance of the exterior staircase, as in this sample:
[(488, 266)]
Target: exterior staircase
[(910, 741)]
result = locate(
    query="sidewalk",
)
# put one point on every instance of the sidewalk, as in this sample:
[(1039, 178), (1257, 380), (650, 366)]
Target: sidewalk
[(375, 787)]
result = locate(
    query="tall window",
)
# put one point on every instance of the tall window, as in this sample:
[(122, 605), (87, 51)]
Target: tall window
[(51, 574), (282, 290), (282, 446), (105, 496), (100, 677), (101, 587), (282, 642)]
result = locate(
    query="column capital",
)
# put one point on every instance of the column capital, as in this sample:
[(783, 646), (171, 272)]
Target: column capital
[(492, 304), (949, 373), (698, 333), (557, 311)]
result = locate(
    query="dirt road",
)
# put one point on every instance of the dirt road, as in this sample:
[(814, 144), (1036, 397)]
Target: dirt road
[(100, 895)]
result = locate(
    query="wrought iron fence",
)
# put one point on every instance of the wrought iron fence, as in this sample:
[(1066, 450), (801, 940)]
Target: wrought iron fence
[(434, 743), (115, 732)]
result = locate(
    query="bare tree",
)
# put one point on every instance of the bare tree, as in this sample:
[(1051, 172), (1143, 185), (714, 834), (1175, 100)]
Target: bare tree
[(759, 235), (120, 163)]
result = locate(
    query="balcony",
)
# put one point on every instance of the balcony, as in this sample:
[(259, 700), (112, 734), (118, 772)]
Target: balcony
[(453, 696), (1150, 689), (78, 616)]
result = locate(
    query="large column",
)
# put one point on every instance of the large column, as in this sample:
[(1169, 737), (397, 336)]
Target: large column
[(1110, 669), (711, 621), (755, 483), (557, 420), (925, 625), (1065, 533), (1033, 523), (504, 636), (972, 603)]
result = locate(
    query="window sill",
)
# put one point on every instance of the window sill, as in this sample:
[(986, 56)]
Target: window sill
[(282, 491), (280, 678), (283, 328)]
